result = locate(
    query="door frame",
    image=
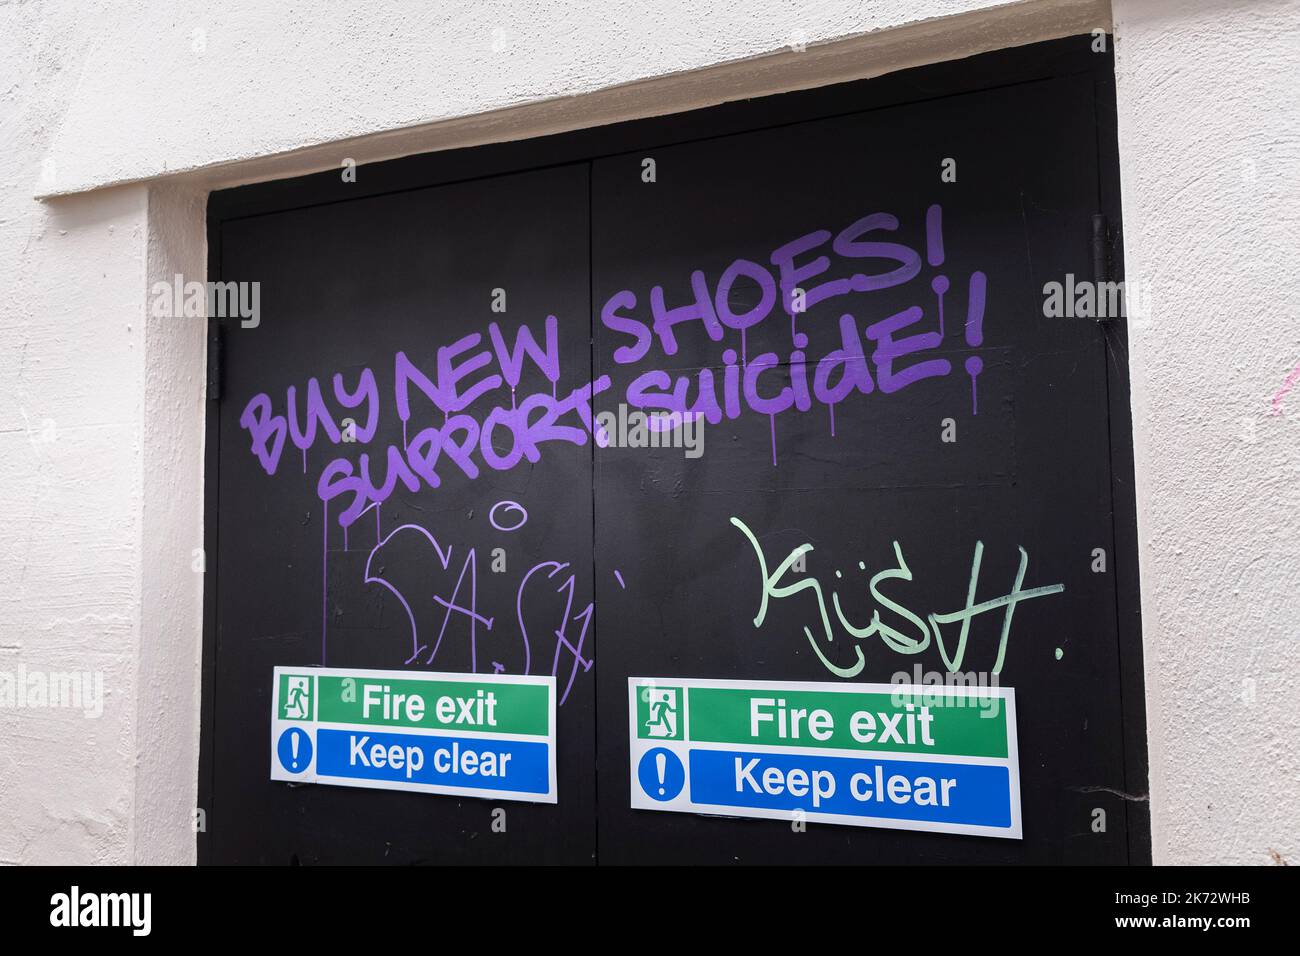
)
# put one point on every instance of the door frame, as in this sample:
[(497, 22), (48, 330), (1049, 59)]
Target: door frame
[(1072, 56)]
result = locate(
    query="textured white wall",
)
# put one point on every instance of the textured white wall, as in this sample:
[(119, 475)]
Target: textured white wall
[(179, 85), (71, 362), (102, 519), (1209, 144), (70, 404)]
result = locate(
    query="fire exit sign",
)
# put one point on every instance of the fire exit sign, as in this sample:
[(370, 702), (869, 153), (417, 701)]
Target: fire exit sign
[(908, 757), (473, 735)]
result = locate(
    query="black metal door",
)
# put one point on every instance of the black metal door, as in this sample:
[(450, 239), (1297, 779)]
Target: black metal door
[(959, 434), (395, 573), (849, 284)]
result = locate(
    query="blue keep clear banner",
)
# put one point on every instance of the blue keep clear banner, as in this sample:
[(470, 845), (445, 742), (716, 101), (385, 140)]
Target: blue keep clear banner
[(505, 765), (852, 786)]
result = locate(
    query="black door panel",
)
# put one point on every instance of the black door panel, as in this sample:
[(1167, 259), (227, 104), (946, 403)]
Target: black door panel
[(861, 472), (346, 289)]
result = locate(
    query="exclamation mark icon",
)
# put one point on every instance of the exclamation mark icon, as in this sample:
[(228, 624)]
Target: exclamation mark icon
[(293, 750), (934, 254), (660, 774)]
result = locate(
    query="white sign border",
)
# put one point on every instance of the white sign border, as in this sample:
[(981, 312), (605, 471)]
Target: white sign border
[(683, 804), (309, 775)]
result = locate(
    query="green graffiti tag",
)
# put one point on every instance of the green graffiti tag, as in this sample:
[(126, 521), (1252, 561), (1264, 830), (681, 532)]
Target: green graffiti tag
[(898, 641)]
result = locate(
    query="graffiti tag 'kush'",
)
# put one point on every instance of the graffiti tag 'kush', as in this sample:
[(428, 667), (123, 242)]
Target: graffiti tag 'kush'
[(917, 635)]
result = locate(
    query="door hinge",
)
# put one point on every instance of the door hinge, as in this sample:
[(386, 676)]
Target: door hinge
[(1101, 264), (1100, 248), (215, 356)]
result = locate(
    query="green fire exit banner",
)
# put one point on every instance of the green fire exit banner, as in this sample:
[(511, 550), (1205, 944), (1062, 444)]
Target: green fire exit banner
[(840, 720), (897, 756)]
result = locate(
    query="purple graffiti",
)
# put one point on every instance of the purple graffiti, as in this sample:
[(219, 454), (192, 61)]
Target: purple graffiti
[(569, 630), (893, 364), (975, 332), (459, 374), (449, 604), (880, 355), (462, 373), (561, 635)]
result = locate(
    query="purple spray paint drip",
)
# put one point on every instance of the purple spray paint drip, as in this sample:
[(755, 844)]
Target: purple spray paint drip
[(934, 254), (975, 333), (940, 285), (325, 578)]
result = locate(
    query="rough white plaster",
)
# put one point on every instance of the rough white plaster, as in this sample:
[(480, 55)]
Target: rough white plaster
[(102, 519), (1210, 156), (183, 86), (70, 411), (100, 484), (167, 716)]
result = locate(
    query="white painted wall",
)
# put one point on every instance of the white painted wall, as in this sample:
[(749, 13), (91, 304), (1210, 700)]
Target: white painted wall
[(1209, 139), (102, 519), (172, 86)]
